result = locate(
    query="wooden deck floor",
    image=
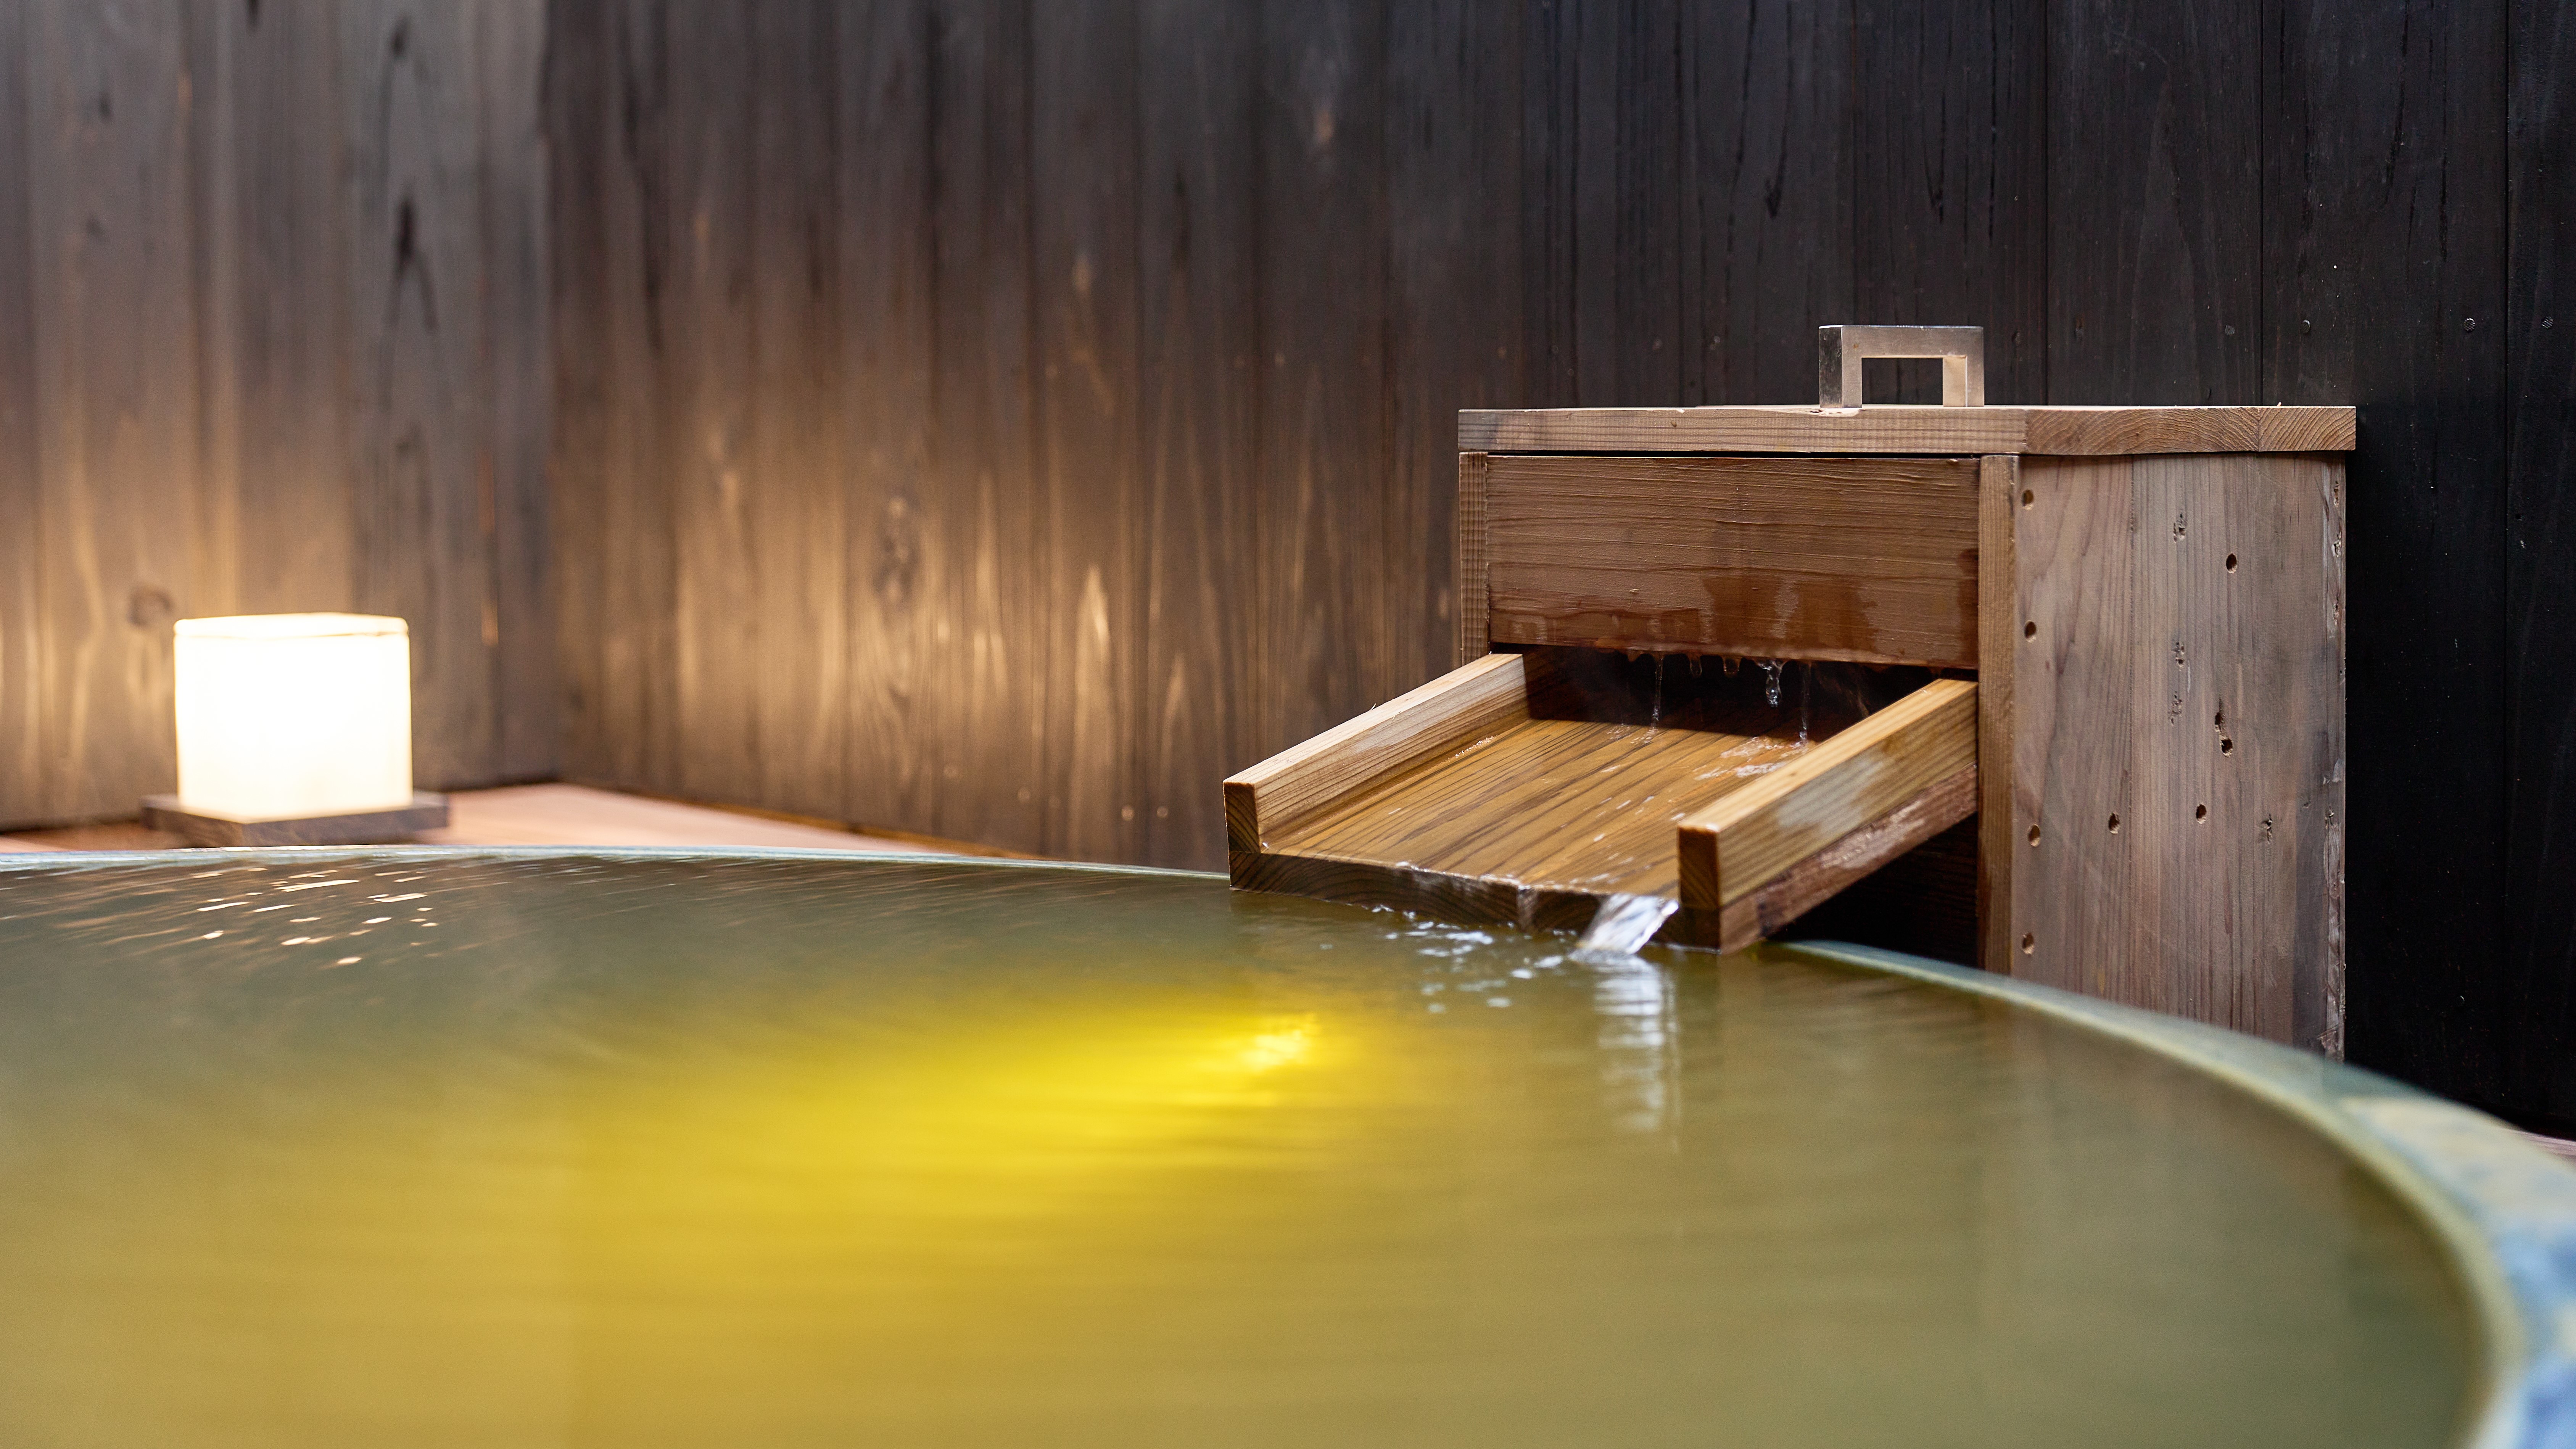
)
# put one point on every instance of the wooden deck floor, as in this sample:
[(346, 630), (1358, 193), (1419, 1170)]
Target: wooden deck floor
[(550, 815)]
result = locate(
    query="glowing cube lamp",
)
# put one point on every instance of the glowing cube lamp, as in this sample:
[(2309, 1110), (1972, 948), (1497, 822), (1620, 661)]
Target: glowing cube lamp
[(294, 729)]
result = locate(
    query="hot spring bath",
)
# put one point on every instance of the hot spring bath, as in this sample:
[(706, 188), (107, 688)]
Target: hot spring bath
[(411, 1148)]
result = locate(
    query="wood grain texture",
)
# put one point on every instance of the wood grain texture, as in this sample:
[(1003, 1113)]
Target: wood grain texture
[(518, 628), (2154, 203), (273, 275), (1838, 787), (1328, 570), (1767, 203), (437, 480), (2178, 738), (1668, 153), (116, 395), (1565, 804), (1923, 902), (1999, 622), (1460, 900), (925, 435), (1575, 785), (1773, 903), (24, 631), (1454, 288), (1199, 400), (1475, 598), (1083, 108), (2530, 1012), (2076, 431), (797, 531), (1854, 559), (582, 399), (1274, 795), (2386, 137), (709, 346), (1944, 232)]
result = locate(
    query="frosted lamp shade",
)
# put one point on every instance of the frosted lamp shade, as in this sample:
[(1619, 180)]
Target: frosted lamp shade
[(289, 715)]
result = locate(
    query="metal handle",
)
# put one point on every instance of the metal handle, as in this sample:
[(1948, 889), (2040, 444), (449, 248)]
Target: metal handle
[(1839, 350)]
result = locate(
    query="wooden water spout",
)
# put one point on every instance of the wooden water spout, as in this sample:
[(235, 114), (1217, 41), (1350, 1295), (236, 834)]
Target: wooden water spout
[(2113, 635)]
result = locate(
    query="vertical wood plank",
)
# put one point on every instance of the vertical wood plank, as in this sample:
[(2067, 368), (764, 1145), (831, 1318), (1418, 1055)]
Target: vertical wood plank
[(985, 440), (2001, 837), (2383, 141), (640, 587), (425, 526), (795, 479), (1082, 107), (1199, 247), (1648, 104), (1767, 251), (273, 276), (1569, 138), (23, 729), (511, 179), (892, 566), (116, 393), (2072, 722), (1454, 289), (2155, 192), (2535, 1002), (1324, 558), (707, 366), (584, 56), (1949, 154)]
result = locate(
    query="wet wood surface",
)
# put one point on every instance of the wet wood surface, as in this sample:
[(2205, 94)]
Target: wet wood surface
[(1569, 783), (1862, 559), (1874, 768), (1283, 791)]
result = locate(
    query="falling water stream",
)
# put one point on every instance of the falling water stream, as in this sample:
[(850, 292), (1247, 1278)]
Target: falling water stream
[(1623, 926)]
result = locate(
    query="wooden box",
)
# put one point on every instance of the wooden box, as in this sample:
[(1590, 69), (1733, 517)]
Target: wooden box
[(2112, 635)]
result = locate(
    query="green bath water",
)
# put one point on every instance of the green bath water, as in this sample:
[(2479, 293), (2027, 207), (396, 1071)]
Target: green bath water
[(395, 1151)]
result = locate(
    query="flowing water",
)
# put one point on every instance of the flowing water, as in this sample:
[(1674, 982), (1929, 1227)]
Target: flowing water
[(1622, 927), (579, 1151)]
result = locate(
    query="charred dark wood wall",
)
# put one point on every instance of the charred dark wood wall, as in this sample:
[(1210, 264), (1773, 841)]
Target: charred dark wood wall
[(272, 338)]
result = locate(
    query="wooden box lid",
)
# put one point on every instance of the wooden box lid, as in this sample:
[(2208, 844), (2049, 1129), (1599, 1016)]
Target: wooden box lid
[(1909, 428)]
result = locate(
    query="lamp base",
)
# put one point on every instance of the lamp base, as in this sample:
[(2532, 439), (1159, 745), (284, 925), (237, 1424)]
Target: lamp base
[(367, 827)]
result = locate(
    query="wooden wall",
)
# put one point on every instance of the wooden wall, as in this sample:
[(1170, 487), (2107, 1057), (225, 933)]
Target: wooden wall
[(272, 337)]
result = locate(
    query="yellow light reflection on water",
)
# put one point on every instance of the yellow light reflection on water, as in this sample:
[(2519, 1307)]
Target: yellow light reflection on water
[(682, 1225)]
